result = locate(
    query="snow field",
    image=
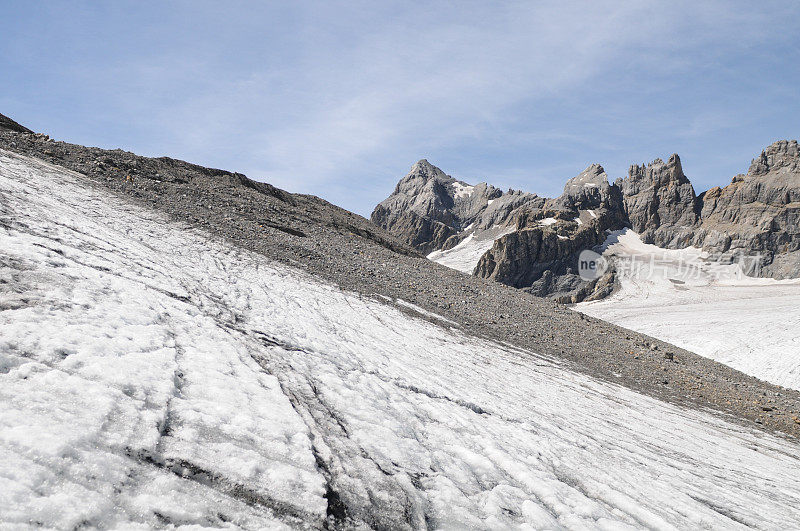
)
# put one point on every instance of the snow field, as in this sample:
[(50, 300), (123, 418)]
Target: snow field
[(750, 324), (151, 376)]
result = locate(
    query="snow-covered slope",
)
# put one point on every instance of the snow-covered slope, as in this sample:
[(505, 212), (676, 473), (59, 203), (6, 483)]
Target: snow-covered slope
[(751, 324), (465, 256), (150, 376)]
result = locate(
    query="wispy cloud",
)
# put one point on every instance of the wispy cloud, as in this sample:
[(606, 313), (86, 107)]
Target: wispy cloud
[(339, 99)]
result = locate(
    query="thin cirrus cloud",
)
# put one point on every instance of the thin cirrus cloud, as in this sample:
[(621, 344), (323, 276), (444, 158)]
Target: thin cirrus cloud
[(340, 99)]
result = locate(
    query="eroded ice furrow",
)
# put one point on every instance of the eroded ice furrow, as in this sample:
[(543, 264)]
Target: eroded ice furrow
[(149, 375)]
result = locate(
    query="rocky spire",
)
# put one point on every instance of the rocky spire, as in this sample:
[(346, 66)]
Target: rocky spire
[(660, 202), (589, 190)]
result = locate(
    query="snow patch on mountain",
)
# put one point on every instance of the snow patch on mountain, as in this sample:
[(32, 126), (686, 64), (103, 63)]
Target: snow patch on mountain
[(465, 256), (462, 189)]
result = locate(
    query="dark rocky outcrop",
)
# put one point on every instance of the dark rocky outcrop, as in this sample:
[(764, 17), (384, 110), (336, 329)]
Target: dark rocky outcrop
[(543, 258), (521, 258), (10, 125)]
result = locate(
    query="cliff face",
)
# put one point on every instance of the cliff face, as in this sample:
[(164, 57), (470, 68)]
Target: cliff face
[(660, 202), (542, 255), (757, 215)]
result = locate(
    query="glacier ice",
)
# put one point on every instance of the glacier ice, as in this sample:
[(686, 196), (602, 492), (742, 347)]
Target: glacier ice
[(151, 376)]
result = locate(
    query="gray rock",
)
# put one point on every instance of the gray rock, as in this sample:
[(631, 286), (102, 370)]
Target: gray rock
[(781, 155), (429, 209), (758, 214), (660, 202), (590, 190), (543, 259)]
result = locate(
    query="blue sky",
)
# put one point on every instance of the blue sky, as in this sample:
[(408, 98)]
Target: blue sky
[(340, 99)]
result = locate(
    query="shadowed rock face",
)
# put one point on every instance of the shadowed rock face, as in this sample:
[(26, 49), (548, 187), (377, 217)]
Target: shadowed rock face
[(542, 256), (757, 214), (540, 259)]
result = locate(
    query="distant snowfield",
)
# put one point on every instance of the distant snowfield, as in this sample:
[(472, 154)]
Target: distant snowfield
[(466, 255), (149, 377), (750, 324)]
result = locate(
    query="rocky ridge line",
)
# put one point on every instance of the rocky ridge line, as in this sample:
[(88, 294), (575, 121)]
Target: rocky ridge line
[(757, 215)]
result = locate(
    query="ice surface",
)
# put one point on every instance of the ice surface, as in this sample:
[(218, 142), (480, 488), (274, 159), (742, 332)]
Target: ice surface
[(714, 310), (465, 256), (152, 377)]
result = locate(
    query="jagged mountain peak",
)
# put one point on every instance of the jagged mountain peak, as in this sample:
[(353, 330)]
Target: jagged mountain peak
[(588, 190), (422, 175), (594, 168), (594, 175), (432, 210), (783, 154), (659, 171), (425, 169)]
